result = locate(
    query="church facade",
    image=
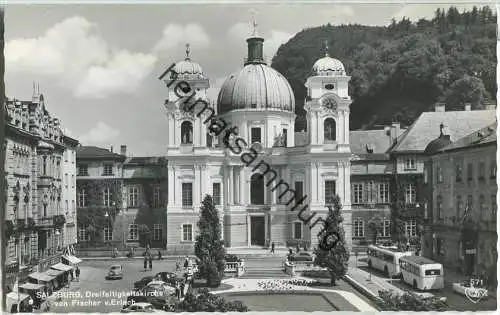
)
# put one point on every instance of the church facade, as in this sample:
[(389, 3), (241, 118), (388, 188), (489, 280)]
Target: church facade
[(246, 154)]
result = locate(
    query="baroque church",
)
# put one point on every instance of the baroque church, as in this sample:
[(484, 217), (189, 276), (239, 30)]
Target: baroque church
[(255, 208)]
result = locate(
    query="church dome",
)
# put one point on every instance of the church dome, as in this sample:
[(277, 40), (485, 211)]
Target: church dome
[(256, 86), (440, 142), (328, 66)]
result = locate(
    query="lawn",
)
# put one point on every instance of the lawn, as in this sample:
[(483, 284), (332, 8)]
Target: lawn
[(304, 301)]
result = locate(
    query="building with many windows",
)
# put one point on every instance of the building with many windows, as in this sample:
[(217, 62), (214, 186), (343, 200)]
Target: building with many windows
[(120, 200), (461, 226), (259, 178), (36, 218)]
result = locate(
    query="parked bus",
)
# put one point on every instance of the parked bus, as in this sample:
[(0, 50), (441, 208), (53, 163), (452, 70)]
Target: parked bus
[(386, 259), (422, 273)]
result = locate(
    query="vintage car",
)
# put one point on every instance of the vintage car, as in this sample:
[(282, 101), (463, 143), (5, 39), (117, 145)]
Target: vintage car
[(143, 282), (115, 272), (142, 307)]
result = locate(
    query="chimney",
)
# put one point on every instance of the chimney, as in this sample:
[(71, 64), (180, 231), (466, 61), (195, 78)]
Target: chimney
[(111, 149), (467, 107), (440, 107), (395, 131), (123, 149)]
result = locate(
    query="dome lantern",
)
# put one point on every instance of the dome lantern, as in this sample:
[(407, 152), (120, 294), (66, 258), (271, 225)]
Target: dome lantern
[(328, 66), (255, 47)]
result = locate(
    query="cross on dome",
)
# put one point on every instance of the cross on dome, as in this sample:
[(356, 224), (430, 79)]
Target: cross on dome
[(187, 52), (254, 23)]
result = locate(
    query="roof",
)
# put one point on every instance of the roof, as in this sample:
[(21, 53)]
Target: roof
[(146, 160), (426, 127), (370, 144), (437, 144), (419, 260), (91, 152), (486, 135)]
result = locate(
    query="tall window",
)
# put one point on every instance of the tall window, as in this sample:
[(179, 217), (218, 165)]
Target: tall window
[(67, 205), (66, 180), (358, 193), (83, 170), (386, 230), (256, 135), (44, 165), (297, 230), (359, 227), (73, 205), (83, 234), (494, 206), (216, 193), (73, 181), (482, 171), (157, 232), (493, 169), (439, 208), (470, 171), (299, 190), (107, 197), (285, 137), (482, 207), (458, 172), (383, 192), (82, 198), (459, 207), (108, 170), (411, 228), (470, 203), (187, 194), (133, 232), (330, 129), (257, 188), (410, 164), (133, 196), (439, 174), (410, 193), (156, 196), (187, 232), (329, 191), (108, 233), (186, 132)]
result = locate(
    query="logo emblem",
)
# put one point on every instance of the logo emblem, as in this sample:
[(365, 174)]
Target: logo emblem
[(475, 294)]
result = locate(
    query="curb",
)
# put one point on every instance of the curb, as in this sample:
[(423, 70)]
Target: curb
[(248, 256), (358, 286)]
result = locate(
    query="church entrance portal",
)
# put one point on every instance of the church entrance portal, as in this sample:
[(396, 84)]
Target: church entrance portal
[(257, 231)]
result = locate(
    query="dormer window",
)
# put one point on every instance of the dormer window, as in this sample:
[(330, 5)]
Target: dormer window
[(329, 86), (369, 148)]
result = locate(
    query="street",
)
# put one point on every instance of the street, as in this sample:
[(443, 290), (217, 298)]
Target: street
[(93, 293)]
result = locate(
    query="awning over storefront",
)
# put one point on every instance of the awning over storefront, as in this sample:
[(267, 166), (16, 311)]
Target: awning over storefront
[(61, 266), (31, 286), (40, 276), (72, 259), (14, 297), (55, 273)]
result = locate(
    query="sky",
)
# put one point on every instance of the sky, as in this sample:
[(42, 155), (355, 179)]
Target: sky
[(98, 65)]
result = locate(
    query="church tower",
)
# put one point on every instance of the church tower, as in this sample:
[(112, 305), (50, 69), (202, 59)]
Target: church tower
[(327, 105), (186, 131)]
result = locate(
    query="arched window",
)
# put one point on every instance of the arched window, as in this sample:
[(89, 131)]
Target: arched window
[(209, 140), (186, 132), (330, 129), (257, 189)]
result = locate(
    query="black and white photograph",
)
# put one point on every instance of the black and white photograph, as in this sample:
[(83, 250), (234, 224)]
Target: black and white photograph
[(276, 156)]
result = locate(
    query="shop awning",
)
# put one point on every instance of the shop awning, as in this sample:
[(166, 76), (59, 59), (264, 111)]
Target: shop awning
[(41, 276), (15, 296), (61, 266), (72, 259), (55, 273), (31, 286)]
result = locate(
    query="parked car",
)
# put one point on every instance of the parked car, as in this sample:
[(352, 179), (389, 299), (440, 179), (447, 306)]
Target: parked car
[(142, 307), (115, 272), (143, 282), (168, 277)]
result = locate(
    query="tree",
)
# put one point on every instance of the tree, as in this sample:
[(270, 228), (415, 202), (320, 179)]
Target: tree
[(468, 89), (332, 252), (209, 247), (390, 301), (376, 226)]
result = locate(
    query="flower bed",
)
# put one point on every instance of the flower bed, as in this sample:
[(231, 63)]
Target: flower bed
[(285, 285)]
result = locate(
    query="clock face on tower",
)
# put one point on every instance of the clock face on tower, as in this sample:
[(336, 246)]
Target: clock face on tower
[(330, 103)]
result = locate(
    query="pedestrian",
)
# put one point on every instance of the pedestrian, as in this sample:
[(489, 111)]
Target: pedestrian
[(77, 273), (71, 273), (177, 266), (298, 248), (272, 247), (151, 262), (182, 289), (159, 255), (186, 262)]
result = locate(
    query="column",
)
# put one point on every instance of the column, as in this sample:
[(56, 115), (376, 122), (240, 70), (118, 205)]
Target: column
[(197, 185), (231, 185), (266, 227), (171, 130), (346, 127), (248, 230), (203, 181), (314, 183), (225, 185), (347, 183), (237, 183), (273, 200), (243, 193)]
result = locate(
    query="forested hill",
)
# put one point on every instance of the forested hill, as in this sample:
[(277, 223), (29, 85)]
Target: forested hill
[(401, 70)]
